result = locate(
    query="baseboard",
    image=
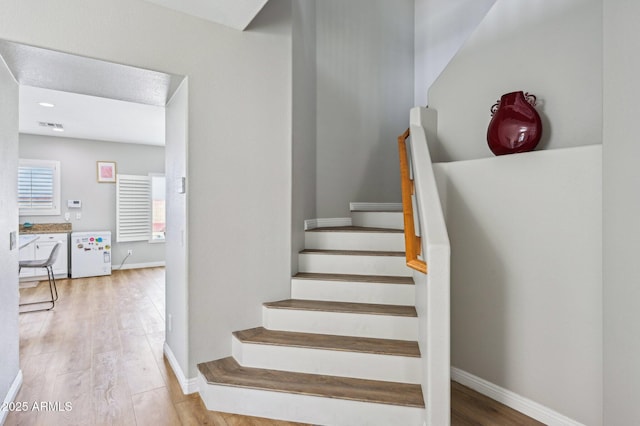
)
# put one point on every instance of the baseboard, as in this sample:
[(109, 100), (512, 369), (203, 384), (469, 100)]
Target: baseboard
[(140, 265), (510, 399), (11, 396), (375, 207), (325, 222), (188, 386)]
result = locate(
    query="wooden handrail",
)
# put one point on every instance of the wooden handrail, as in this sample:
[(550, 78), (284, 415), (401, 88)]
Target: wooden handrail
[(411, 240)]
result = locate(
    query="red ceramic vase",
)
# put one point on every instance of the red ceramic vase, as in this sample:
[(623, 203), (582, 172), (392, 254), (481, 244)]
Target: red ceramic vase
[(515, 125)]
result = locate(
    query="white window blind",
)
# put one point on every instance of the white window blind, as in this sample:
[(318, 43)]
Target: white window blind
[(38, 187), (133, 208)]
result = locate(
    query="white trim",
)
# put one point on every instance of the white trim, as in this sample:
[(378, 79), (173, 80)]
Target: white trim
[(141, 265), (375, 207), (11, 395), (188, 386), (326, 222), (510, 399)]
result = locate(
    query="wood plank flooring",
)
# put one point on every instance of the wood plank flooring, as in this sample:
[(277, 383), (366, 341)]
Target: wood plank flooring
[(384, 279), (344, 307), (356, 229), (262, 336), (354, 252), (228, 372), (101, 350)]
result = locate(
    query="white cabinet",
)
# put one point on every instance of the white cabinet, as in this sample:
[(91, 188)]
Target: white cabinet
[(41, 249)]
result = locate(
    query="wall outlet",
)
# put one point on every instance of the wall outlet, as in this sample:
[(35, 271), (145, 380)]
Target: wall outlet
[(129, 252)]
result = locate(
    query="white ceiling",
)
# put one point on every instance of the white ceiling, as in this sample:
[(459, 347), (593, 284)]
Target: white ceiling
[(90, 117), (236, 14)]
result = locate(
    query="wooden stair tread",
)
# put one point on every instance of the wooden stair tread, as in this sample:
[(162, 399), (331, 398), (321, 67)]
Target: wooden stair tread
[(228, 372), (355, 229), (377, 211), (354, 252), (344, 307), (380, 279), (260, 335)]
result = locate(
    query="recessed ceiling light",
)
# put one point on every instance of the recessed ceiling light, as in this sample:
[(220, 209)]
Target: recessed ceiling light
[(46, 104)]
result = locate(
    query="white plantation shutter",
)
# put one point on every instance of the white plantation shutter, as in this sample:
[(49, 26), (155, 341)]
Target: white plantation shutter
[(38, 187), (133, 208)]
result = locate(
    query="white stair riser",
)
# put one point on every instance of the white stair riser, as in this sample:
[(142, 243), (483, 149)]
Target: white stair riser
[(354, 241), (342, 324), (353, 264), (355, 292), (305, 408), (333, 363), (389, 220)]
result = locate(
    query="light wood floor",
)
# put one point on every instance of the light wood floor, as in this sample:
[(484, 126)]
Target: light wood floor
[(101, 350)]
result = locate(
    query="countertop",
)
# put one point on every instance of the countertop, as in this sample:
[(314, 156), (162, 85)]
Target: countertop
[(46, 228)]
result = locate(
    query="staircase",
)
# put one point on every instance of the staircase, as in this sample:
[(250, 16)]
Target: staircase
[(343, 350)]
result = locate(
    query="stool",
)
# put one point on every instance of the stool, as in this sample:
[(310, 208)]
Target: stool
[(48, 265)]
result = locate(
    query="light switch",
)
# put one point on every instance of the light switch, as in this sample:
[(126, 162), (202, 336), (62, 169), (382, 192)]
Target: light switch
[(67, 216), (78, 216)]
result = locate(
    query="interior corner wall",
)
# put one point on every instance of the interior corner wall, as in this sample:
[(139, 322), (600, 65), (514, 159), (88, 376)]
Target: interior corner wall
[(9, 367), (526, 275), (621, 206), (552, 49), (78, 159), (364, 93), (441, 28), (239, 157), (303, 122)]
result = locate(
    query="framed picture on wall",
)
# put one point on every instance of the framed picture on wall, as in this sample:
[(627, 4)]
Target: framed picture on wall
[(106, 171)]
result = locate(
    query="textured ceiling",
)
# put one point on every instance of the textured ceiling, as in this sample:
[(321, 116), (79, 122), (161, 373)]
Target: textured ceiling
[(48, 69), (236, 14)]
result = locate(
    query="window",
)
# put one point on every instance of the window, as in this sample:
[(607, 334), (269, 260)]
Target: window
[(133, 208), (158, 205), (39, 187), (140, 208)]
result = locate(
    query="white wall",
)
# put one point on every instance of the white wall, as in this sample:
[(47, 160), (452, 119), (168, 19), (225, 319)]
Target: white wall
[(176, 271), (526, 275), (9, 366), (621, 180), (364, 92), (78, 159), (303, 122), (239, 158), (441, 28), (552, 49)]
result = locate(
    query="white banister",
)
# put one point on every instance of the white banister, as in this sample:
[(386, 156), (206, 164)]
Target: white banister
[(432, 290)]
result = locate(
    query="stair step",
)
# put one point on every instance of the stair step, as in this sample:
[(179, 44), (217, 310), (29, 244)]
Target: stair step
[(378, 219), (382, 279), (358, 262), (344, 307), (388, 290), (388, 360), (228, 372), (262, 336), (354, 238), (356, 229), (354, 252)]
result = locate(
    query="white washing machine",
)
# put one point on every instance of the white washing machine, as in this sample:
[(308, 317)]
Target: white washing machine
[(90, 254)]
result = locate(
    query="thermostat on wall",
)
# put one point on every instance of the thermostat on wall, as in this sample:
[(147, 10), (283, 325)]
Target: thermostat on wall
[(74, 204)]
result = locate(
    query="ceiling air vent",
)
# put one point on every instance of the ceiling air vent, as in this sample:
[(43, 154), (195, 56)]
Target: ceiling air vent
[(53, 126)]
